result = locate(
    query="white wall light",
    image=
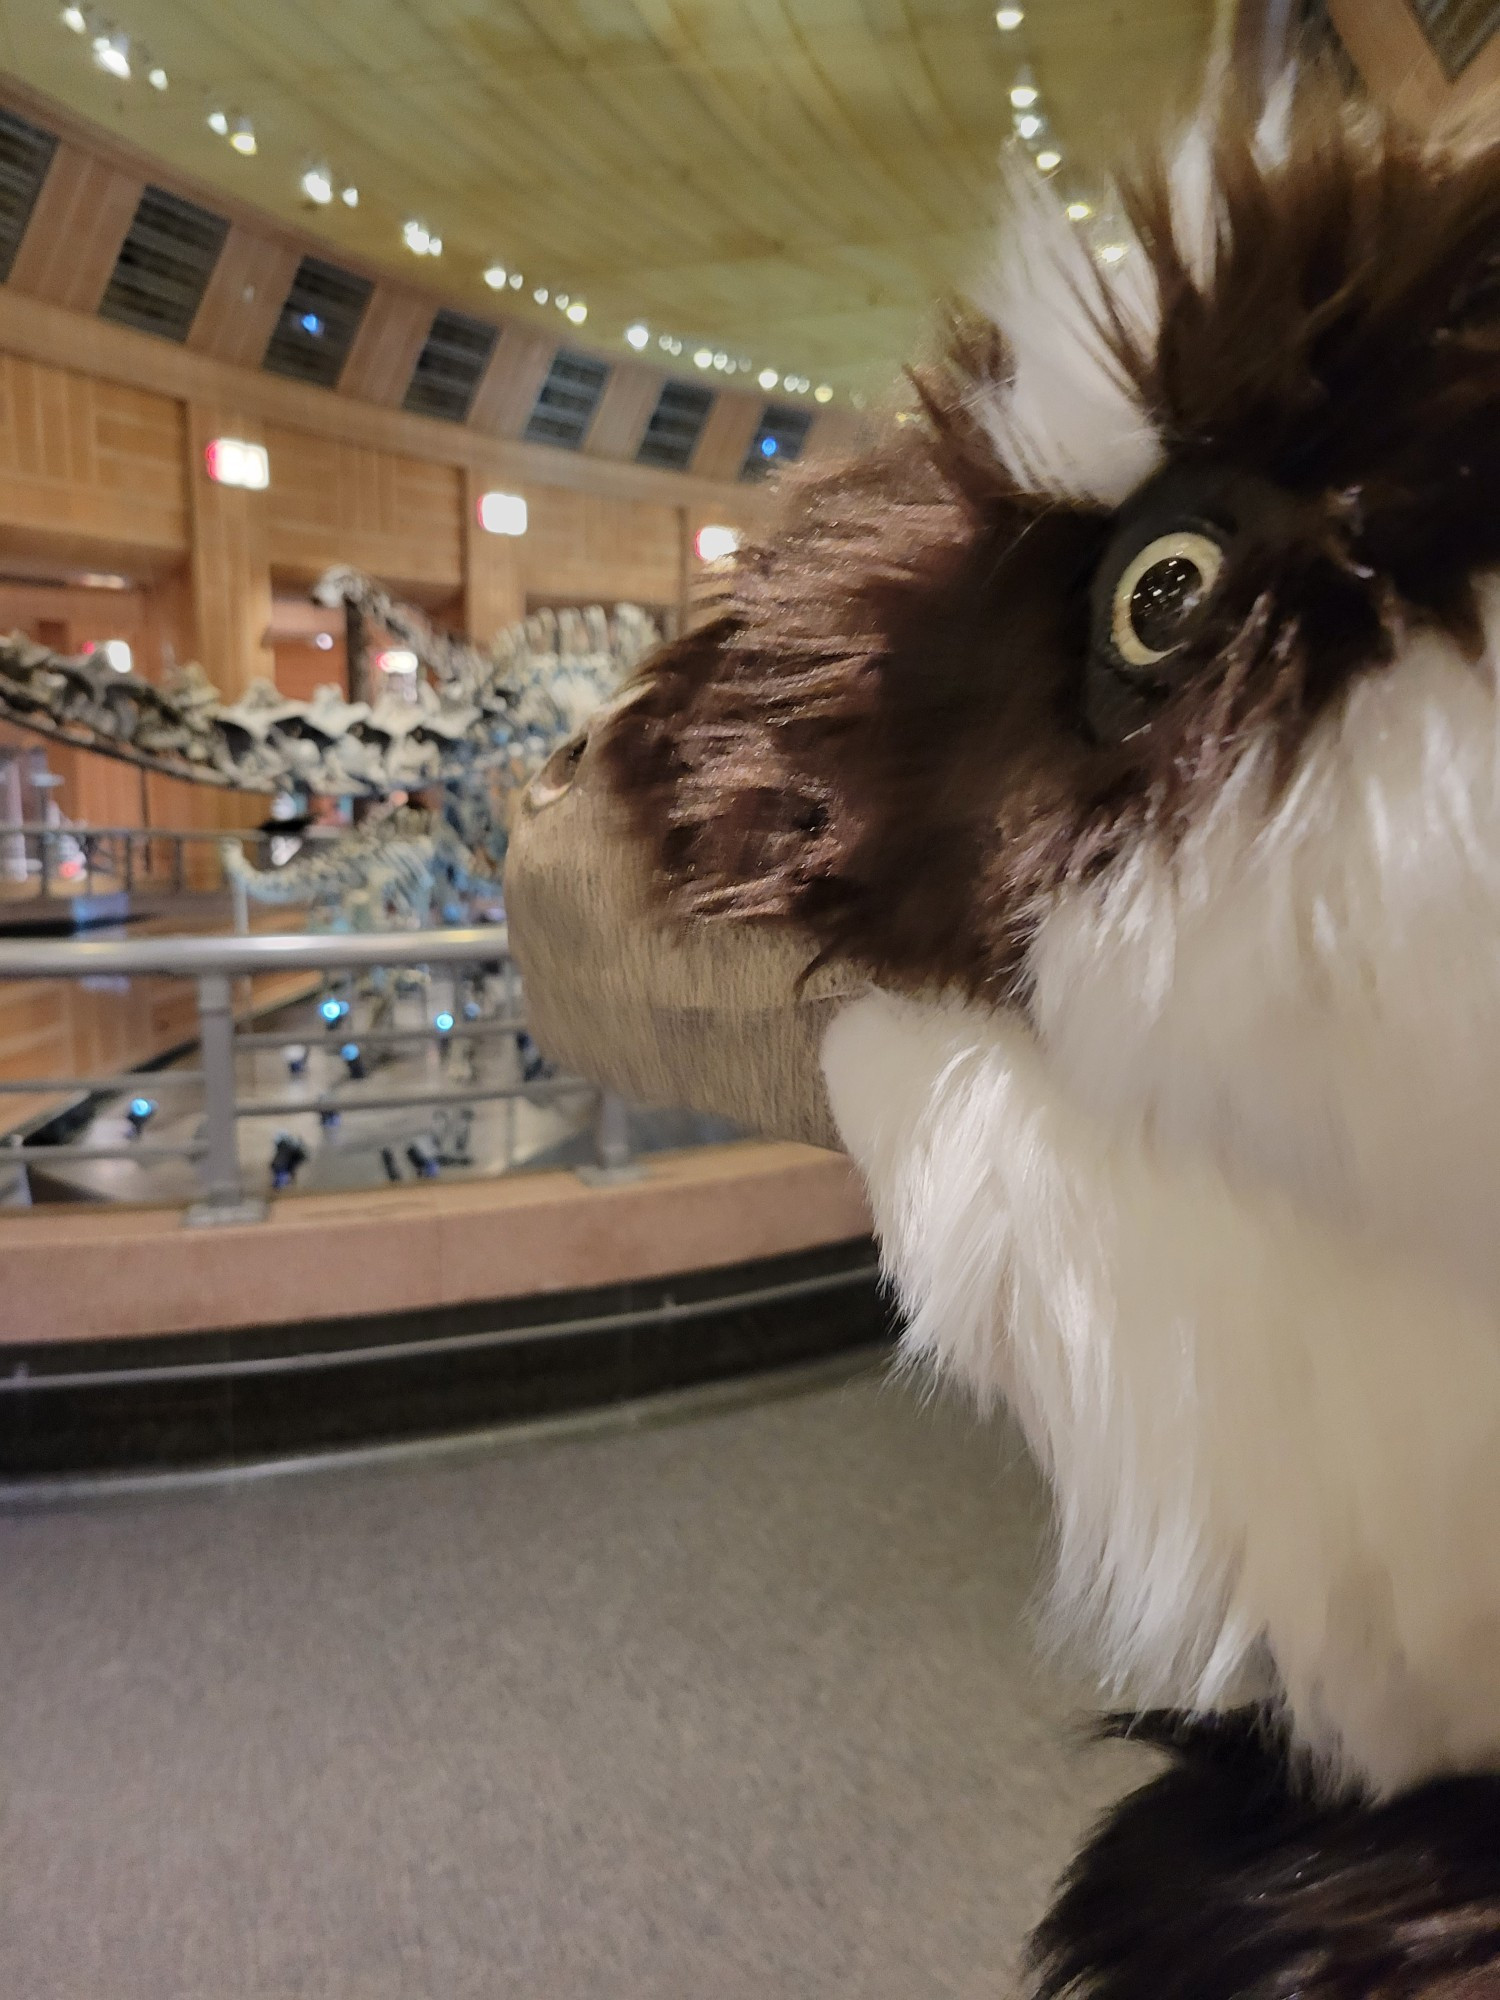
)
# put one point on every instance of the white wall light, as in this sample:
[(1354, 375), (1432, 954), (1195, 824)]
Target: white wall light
[(397, 660), (502, 513), (234, 462), (715, 542), (117, 654)]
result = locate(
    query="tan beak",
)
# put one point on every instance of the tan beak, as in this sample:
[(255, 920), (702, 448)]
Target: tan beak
[(708, 1017)]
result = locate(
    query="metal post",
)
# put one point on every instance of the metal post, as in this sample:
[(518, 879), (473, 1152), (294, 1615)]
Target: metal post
[(223, 1196), (239, 898), (612, 1162)]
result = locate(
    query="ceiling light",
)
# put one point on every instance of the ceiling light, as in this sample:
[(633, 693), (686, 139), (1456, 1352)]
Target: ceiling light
[(112, 53), (217, 122), (156, 76), (1048, 159), (1028, 125), (495, 277), (234, 462), (1008, 18), (721, 361), (434, 246), (323, 641), (578, 312), (703, 358), (396, 660), (1079, 211), (502, 513), (117, 654), (1023, 96), (516, 281), (540, 295), (1111, 253), (823, 393), (242, 138), (310, 323), (317, 185), (560, 300), (74, 18), (714, 543), (350, 197), (419, 239), (638, 336), (768, 378)]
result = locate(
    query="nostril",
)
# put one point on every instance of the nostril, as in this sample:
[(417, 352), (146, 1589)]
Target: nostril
[(558, 773)]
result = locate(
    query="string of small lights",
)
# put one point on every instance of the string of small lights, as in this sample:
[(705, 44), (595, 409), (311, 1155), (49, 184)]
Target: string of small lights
[(1031, 127)]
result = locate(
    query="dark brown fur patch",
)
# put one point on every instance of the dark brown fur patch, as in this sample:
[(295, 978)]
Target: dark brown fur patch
[(879, 740)]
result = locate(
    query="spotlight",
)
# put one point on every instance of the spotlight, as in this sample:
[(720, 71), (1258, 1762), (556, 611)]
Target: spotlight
[(578, 312), (495, 277), (638, 336), (353, 1061), (317, 185), (423, 1159), (768, 378), (287, 1155), (704, 358), (420, 240), (74, 18), (1079, 211), (1008, 19), (310, 323), (156, 76), (397, 660), (332, 1009), (769, 447), (1023, 96), (1111, 253), (233, 462), (540, 295), (560, 300), (1048, 159), (1028, 125), (823, 393), (350, 197), (714, 543), (218, 123), (117, 654), (138, 1117), (112, 53), (502, 513), (516, 281), (443, 1022), (242, 138), (295, 1054)]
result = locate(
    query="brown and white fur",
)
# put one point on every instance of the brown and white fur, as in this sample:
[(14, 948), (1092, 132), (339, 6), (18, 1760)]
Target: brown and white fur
[(1176, 1087)]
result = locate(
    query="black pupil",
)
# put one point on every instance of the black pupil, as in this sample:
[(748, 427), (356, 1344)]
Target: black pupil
[(1163, 597)]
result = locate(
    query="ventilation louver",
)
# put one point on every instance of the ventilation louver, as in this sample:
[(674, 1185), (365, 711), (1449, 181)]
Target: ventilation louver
[(164, 265), (25, 155), (455, 355), (1457, 29), (779, 440), (568, 399), (318, 323), (675, 427)]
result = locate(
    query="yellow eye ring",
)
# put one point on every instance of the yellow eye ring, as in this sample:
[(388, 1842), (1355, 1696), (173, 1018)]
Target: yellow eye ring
[(1200, 552)]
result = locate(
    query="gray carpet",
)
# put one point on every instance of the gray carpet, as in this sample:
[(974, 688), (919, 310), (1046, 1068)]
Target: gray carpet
[(743, 1705)]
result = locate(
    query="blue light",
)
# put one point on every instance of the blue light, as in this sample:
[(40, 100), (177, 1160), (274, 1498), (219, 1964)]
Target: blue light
[(141, 1107), (769, 447), (350, 1052), (312, 324), (442, 1022), (333, 1010)]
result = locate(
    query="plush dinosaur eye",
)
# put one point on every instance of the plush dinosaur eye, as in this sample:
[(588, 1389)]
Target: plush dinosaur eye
[(1157, 594)]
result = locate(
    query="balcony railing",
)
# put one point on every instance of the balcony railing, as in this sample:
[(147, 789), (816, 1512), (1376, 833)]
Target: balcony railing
[(474, 961)]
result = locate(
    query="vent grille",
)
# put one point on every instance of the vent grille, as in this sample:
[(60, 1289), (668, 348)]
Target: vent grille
[(25, 155), (318, 323), (164, 265), (676, 424), (1457, 29), (568, 399), (779, 440), (448, 369)]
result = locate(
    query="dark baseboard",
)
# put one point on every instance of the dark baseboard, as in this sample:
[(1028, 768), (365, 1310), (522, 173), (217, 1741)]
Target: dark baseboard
[(246, 1395)]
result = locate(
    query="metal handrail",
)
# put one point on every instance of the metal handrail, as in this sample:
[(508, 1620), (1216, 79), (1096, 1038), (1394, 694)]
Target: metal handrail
[(235, 957), (214, 964)]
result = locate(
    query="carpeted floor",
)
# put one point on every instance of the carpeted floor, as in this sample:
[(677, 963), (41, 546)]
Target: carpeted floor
[(737, 1707)]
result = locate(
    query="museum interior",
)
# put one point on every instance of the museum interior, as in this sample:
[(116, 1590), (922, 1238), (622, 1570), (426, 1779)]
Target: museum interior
[(466, 1527)]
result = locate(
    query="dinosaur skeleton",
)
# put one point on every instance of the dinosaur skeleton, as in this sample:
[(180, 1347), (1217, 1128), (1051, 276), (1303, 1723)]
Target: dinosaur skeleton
[(476, 723)]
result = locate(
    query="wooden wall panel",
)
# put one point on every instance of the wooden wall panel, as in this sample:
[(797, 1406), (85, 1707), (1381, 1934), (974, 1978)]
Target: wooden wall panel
[(391, 336), (243, 301), (90, 458), (76, 229), (494, 572), (732, 422), (230, 561), (335, 502), (630, 395), (584, 545), (507, 394), (1385, 42)]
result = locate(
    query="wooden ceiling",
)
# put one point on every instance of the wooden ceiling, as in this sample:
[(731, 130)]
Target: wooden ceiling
[(794, 181)]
